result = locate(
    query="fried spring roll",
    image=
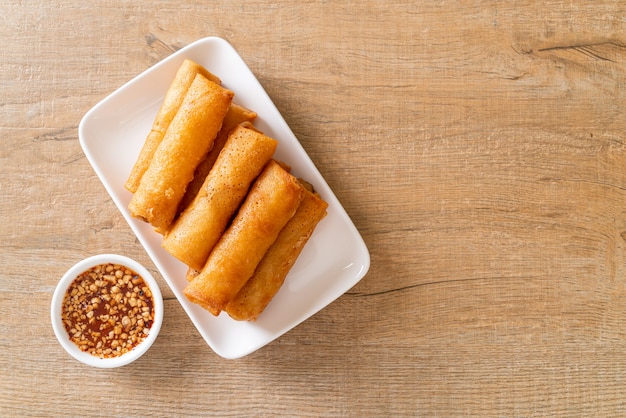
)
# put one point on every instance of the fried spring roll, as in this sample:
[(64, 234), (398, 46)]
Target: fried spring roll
[(199, 227), (187, 140), (171, 103), (236, 115), (272, 201), (270, 274)]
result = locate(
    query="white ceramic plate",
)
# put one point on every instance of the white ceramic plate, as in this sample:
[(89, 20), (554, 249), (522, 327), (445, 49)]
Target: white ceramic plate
[(335, 258)]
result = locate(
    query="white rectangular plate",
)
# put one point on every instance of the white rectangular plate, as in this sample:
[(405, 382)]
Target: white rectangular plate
[(335, 258)]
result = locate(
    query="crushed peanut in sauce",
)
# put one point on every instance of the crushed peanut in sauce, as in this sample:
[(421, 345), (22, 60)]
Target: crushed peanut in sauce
[(108, 310)]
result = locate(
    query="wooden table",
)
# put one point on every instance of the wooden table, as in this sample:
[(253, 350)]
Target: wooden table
[(479, 148)]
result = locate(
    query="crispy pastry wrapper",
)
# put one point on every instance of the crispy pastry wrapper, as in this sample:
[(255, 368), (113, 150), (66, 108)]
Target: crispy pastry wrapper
[(171, 103), (200, 226), (236, 115), (187, 140), (271, 272), (271, 202)]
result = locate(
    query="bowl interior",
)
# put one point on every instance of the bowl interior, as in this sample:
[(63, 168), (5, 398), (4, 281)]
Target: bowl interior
[(57, 301)]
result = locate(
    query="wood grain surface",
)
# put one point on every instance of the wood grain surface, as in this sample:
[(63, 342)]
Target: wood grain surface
[(479, 147)]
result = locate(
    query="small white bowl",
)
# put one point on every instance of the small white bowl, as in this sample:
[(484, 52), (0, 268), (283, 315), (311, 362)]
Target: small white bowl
[(57, 302)]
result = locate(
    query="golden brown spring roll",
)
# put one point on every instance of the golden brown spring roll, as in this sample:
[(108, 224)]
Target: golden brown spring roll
[(236, 115), (171, 103), (270, 274), (187, 140), (198, 228), (272, 201)]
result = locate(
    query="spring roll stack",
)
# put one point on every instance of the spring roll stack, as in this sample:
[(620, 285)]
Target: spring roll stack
[(200, 225), (188, 139), (206, 180), (271, 271)]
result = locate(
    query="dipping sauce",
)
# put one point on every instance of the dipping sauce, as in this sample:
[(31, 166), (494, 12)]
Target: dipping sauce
[(108, 310)]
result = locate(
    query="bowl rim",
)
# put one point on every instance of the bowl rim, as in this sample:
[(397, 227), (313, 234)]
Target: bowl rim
[(57, 300)]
